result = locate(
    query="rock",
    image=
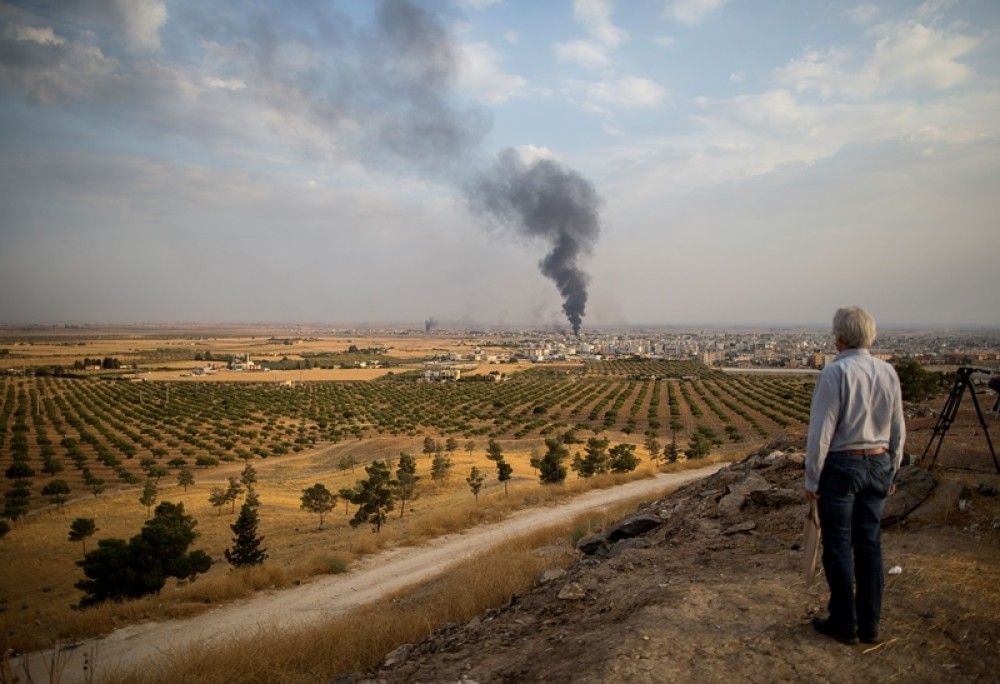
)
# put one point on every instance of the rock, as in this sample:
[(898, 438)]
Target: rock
[(775, 498), (551, 575), (590, 544), (632, 527), (730, 504), (571, 592), (625, 544), (913, 486), (740, 527), (397, 656)]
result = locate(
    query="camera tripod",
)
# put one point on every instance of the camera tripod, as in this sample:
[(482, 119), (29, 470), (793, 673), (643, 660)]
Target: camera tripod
[(950, 410)]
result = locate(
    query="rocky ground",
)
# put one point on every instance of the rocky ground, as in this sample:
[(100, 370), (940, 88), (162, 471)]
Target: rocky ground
[(706, 585)]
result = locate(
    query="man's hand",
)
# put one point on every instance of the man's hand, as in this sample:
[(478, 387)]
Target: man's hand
[(810, 496)]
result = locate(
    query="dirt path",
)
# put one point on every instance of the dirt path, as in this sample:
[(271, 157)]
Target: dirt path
[(370, 580)]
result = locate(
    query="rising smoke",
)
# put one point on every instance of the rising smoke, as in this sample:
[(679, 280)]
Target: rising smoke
[(394, 87), (541, 199)]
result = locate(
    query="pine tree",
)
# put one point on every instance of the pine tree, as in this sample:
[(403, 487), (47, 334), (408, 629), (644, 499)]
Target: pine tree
[(148, 496), (622, 458), (246, 549), (493, 450), (504, 471), (595, 458), (475, 481), (249, 475), (252, 497), (217, 497), (406, 481), (374, 496), (550, 467), (80, 529), (185, 477), (440, 468), (318, 499), (233, 492)]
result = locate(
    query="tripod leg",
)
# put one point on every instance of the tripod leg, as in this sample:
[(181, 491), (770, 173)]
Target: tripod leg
[(986, 431), (944, 420)]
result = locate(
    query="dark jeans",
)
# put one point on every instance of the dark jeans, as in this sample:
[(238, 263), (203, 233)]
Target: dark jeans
[(852, 491)]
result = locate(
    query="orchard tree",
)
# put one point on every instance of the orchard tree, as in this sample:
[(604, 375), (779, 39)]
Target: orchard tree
[(374, 496), (185, 477), (475, 481), (149, 495), (406, 481), (318, 499), (550, 467), (57, 491), (80, 529), (246, 549)]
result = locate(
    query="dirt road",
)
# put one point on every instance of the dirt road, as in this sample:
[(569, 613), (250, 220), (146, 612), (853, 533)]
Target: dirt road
[(329, 596)]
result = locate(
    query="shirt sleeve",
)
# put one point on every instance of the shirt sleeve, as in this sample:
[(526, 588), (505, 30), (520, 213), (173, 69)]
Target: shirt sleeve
[(897, 426), (823, 416)]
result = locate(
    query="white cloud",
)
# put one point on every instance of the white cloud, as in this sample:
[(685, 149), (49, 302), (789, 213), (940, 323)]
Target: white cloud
[(595, 15), (43, 35), (738, 77), (862, 14), (623, 93), (604, 37), (142, 21), (530, 154), (511, 37), (481, 73), (691, 12), (585, 53), (907, 55)]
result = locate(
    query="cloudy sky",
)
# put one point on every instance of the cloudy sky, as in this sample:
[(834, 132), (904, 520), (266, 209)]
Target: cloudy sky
[(757, 162)]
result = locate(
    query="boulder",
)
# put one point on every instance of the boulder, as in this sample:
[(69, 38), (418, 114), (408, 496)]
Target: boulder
[(775, 498), (632, 527), (625, 544), (591, 543), (551, 575), (744, 527), (738, 492), (397, 656), (913, 486)]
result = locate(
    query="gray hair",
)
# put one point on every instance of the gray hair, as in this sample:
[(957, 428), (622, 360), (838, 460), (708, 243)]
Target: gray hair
[(854, 326)]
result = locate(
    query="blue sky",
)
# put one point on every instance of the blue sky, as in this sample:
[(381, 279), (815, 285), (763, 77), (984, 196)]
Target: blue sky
[(758, 162)]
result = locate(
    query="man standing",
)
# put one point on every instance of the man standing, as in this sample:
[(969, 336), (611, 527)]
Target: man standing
[(853, 452)]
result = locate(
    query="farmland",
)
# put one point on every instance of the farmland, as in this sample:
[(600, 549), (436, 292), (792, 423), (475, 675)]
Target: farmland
[(99, 434)]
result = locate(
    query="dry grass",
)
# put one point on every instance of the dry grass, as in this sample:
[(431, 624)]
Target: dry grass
[(360, 639), (37, 589)]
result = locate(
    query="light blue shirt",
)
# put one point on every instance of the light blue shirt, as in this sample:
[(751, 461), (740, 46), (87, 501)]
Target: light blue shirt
[(857, 404)]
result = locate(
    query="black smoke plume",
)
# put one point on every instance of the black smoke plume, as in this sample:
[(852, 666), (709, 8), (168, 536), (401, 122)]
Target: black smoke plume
[(542, 199)]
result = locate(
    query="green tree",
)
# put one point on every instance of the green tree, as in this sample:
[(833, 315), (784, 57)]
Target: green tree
[(117, 569), (493, 450), (475, 481), (699, 446), (57, 491), (149, 495), (349, 495), (185, 477), (440, 468), (653, 447), (406, 480), (915, 381), (233, 492), (318, 499), (470, 447), (451, 444), (217, 497), (550, 467), (157, 471), (80, 529), (504, 471), (430, 446), (252, 498), (249, 475), (246, 549), (595, 458), (347, 461), (671, 452), (374, 496), (622, 458)]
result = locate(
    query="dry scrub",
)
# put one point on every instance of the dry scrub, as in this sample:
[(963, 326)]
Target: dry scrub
[(361, 639)]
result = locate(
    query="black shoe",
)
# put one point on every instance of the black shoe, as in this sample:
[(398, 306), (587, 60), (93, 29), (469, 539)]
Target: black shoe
[(824, 627), (873, 638)]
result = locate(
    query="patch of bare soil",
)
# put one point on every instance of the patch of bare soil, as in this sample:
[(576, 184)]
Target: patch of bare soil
[(715, 591)]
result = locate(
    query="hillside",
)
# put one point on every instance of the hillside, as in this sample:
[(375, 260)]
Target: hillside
[(715, 590)]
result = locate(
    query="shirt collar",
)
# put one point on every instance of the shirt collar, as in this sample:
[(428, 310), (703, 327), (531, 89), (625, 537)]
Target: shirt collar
[(853, 352)]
